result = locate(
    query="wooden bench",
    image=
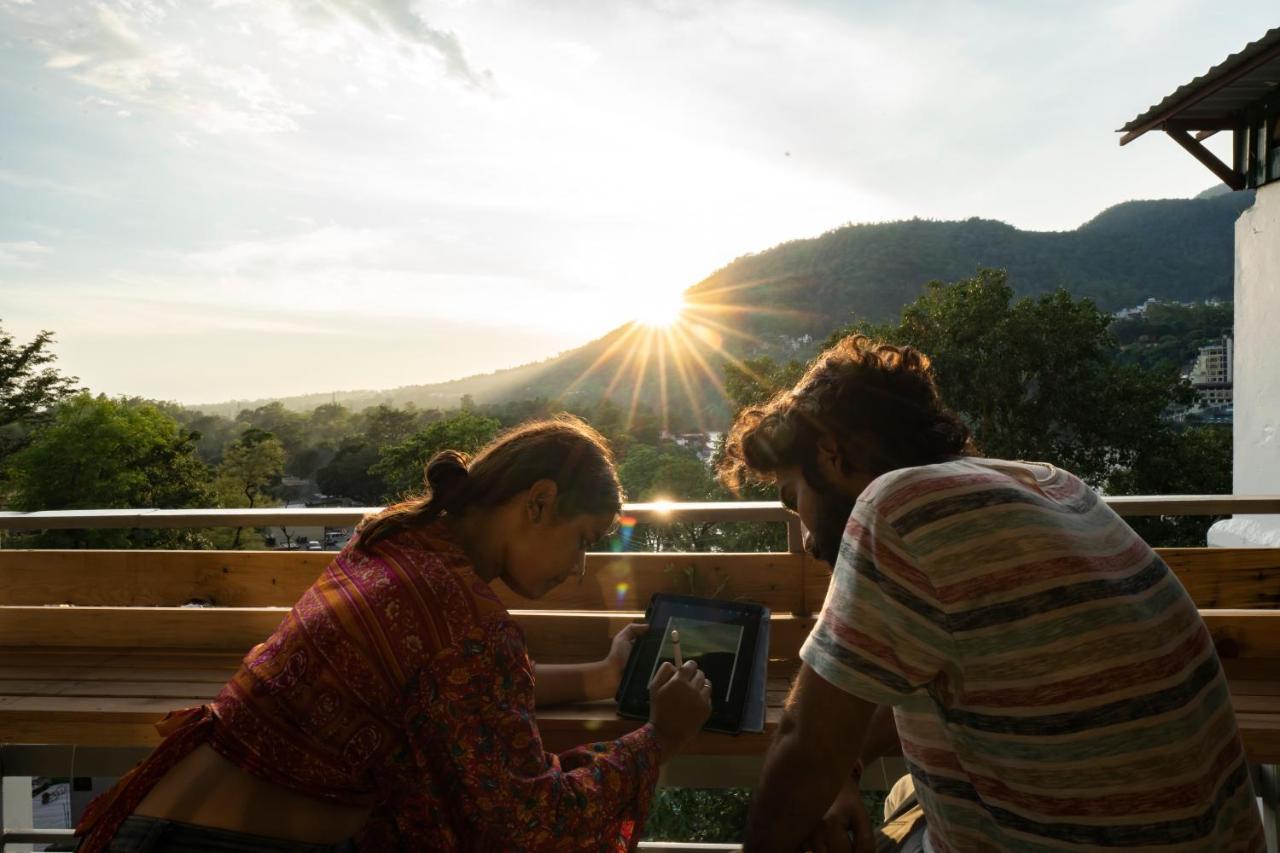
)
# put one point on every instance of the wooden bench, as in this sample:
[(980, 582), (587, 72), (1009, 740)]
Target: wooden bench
[(95, 646)]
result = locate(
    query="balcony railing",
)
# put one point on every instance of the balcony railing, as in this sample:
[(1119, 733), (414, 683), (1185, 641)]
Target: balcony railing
[(790, 570)]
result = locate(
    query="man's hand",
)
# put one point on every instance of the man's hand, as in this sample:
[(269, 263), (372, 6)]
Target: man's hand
[(846, 827), (817, 743)]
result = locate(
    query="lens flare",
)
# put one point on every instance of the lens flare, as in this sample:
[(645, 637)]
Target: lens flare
[(678, 348), (659, 311), (620, 592)]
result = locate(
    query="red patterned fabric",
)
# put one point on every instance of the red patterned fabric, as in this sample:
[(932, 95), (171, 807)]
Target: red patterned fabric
[(399, 681)]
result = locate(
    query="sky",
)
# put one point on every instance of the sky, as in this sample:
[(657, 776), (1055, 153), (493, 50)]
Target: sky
[(209, 200)]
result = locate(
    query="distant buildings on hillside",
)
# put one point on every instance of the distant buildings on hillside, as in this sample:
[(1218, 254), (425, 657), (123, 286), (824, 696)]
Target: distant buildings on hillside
[(1141, 310), (703, 444), (1212, 374)]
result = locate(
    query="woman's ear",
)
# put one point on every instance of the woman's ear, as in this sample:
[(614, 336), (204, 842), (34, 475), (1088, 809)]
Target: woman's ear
[(541, 501)]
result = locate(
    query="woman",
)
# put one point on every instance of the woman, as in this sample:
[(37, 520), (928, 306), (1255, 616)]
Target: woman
[(393, 709)]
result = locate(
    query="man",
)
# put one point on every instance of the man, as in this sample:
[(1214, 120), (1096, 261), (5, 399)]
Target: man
[(1052, 684)]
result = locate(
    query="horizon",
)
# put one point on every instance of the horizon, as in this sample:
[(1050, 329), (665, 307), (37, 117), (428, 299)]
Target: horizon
[(202, 206)]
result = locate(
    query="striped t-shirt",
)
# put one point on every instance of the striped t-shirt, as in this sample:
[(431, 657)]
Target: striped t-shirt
[(1054, 687)]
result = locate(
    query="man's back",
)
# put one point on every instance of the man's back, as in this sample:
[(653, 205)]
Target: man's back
[(1054, 686)]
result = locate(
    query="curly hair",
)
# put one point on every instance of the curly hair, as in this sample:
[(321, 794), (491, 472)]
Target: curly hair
[(877, 400)]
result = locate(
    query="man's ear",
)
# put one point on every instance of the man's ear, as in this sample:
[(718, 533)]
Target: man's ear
[(831, 461), (540, 501)]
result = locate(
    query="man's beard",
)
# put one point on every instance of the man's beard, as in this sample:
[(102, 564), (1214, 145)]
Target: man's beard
[(833, 518)]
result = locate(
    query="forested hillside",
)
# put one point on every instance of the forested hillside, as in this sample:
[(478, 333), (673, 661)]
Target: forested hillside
[(782, 301)]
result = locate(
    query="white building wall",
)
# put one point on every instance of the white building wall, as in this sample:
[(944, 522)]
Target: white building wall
[(1256, 369)]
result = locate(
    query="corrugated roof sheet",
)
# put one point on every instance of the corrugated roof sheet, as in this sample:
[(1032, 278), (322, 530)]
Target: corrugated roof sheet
[(1222, 91)]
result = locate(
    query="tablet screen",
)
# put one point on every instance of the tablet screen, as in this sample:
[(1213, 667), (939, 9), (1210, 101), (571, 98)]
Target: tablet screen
[(720, 635), (716, 647)]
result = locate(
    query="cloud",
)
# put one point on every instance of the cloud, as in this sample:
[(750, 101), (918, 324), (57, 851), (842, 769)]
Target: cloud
[(36, 182), (318, 247), (398, 18), (22, 253)]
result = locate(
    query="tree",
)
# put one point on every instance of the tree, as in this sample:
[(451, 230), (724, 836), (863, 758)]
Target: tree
[(1038, 378), (384, 425), (29, 390), (252, 466), (401, 466), (347, 474), (100, 453), (288, 427), (755, 380), (1044, 379)]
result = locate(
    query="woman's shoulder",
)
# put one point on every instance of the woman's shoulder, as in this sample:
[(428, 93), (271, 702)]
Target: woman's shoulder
[(421, 574)]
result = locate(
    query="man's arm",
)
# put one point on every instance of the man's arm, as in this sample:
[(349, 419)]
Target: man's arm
[(819, 738)]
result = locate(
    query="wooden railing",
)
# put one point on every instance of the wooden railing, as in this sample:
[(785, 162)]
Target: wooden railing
[(97, 645)]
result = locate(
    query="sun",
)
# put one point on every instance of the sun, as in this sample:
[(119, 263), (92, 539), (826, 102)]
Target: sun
[(660, 311)]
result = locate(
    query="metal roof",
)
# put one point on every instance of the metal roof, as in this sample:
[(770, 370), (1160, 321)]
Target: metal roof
[(1214, 100)]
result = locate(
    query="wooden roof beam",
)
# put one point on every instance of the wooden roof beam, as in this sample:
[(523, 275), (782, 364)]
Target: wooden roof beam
[(1224, 172)]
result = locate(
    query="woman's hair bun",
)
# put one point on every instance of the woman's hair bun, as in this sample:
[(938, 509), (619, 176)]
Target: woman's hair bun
[(446, 474)]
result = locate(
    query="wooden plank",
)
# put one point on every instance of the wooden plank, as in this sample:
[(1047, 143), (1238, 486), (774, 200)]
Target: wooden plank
[(661, 512), (158, 578), (119, 687), (1245, 635), (277, 579), (645, 513), (1227, 577), (553, 636), (1215, 578), (113, 721), (235, 629)]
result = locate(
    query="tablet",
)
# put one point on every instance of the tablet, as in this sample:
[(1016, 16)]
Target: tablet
[(722, 636)]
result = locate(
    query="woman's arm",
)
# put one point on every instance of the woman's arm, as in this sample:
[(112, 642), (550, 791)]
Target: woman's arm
[(470, 722), (562, 684)]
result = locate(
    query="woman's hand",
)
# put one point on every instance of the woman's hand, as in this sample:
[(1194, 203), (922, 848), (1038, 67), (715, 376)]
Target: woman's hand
[(846, 827), (679, 705), (620, 650)]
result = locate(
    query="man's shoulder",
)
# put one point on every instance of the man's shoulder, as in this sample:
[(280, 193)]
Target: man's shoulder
[(921, 481)]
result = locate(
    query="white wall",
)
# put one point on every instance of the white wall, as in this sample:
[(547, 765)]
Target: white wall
[(1257, 369)]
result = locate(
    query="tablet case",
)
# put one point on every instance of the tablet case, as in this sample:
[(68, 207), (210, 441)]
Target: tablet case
[(752, 718)]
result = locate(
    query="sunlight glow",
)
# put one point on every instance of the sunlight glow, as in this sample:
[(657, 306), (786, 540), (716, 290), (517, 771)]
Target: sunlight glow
[(682, 359), (659, 311)]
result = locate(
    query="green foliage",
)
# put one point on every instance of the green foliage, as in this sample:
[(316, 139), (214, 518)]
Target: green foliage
[(1169, 335), (755, 380), (716, 815), (29, 391), (698, 814), (287, 426), (1043, 378), (1038, 378), (347, 474), (251, 468), (401, 466), (1195, 460), (100, 453)]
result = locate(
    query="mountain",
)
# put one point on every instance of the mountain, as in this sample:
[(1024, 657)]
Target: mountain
[(781, 301)]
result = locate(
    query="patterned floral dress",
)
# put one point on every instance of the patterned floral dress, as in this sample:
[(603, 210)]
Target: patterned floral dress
[(399, 681)]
